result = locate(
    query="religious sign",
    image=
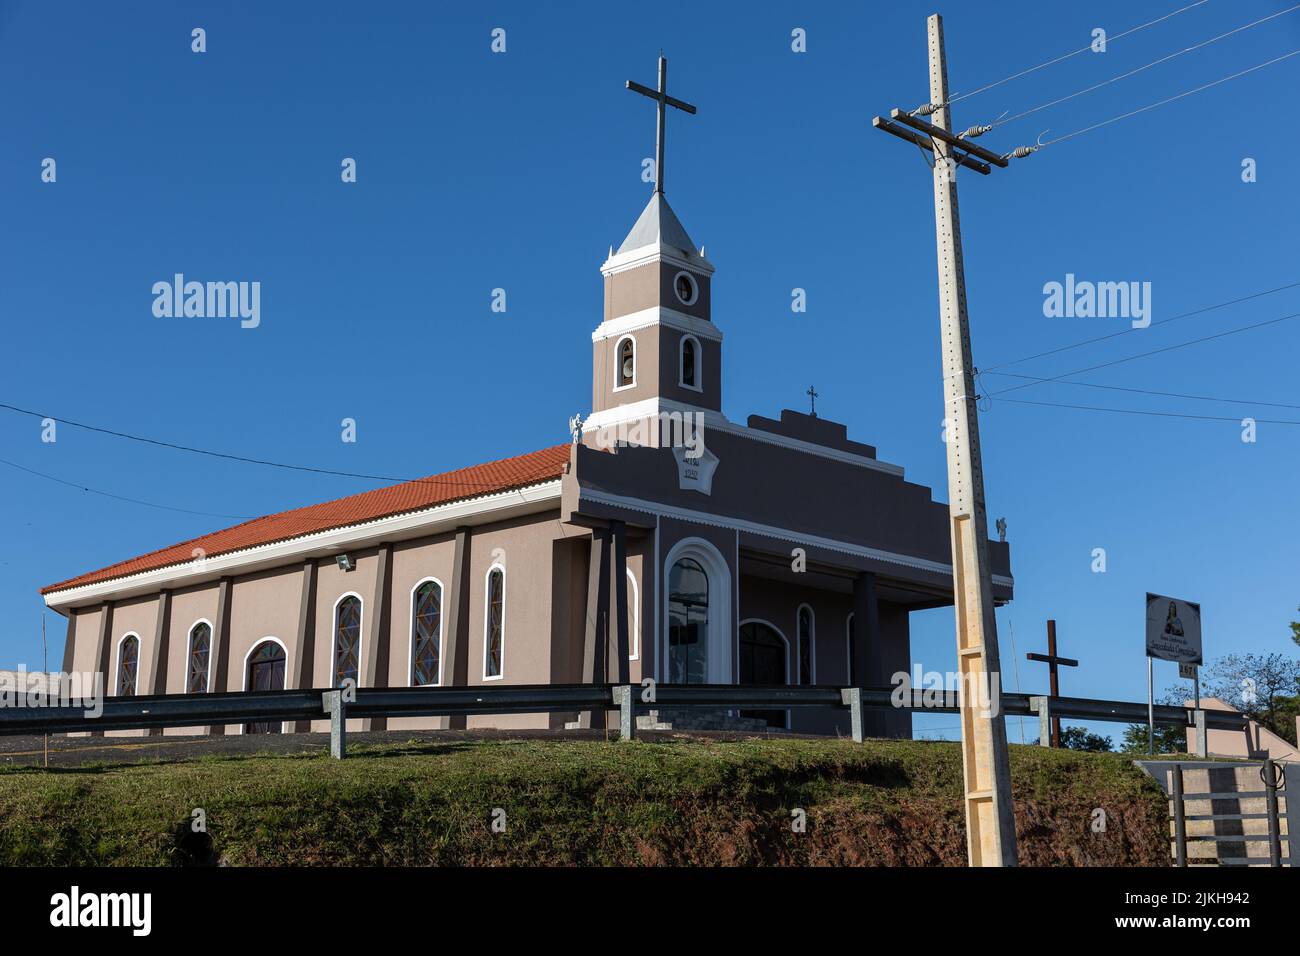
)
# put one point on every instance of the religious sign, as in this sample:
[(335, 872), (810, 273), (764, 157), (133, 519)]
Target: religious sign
[(1173, 629), (695, 473)]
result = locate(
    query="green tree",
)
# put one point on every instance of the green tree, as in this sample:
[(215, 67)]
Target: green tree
[(1170, 739), (1079, 738)]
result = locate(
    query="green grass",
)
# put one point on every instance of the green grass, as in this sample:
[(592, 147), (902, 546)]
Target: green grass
[(576, 802)]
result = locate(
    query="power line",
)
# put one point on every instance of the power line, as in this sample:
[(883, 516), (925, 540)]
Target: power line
[(1130, 358), (1147, 66), (1147, 391), (242, 458), (1172, 318), (108, 494), (1142, 411), (1066, 56), (1171, 99)]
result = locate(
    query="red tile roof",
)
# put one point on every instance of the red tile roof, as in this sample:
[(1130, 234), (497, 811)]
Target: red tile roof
[(478, 480)]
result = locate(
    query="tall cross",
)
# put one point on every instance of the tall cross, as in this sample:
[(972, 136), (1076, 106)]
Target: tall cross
[(1052, 662), (812, 396), (663, 100)]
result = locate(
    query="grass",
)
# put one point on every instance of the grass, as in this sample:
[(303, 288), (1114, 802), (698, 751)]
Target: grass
[(575, 802)]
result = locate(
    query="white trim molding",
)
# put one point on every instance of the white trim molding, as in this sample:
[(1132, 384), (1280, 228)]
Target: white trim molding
[(361, 637), (427, 521), (698, 361), (189, 653), (655, 316), (243, 728), (117, 663), (618, 363)]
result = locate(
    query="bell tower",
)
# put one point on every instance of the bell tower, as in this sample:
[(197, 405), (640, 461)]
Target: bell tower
[(656, 349)]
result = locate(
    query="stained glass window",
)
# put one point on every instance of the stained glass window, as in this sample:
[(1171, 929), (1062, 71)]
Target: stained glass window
[(852, 670), (805, 645), (495, 636), (426, 633), (196, 681), (128, 660), (347, 640)]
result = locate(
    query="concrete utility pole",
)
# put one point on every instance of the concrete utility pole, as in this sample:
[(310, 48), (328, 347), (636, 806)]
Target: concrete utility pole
[(990, 818)]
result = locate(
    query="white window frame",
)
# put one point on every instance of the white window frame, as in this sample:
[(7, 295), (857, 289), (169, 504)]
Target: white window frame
[(189, 651), (487, 619), (633, 618), (699, 363), (117, 662), (410, 644), (618, 364), (722, 635), (334, 644), (695, 288), (243, 727)]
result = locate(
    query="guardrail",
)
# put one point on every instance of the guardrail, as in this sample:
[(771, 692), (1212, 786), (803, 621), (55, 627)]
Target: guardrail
[(195, 710)]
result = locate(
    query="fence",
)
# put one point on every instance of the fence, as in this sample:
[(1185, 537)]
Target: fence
[(195, 710)]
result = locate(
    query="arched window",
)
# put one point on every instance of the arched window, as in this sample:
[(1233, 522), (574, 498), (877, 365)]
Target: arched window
[(196, 677), (347, 640), (128, 662), (633, 617), (626, 353), (264, 669), (426, 634), (688, 623), (763, 655), (690, 376), (806, 630), (494, 624)]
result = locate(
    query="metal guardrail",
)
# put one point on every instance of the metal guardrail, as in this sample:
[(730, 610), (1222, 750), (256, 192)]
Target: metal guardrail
[(193, 710)]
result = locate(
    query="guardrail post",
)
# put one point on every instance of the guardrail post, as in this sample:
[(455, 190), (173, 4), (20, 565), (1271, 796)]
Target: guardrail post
[(332, 700), (1180, 818), (1274, 825), (852, 697), (1044, 707), (1202, 738), (626, 717)]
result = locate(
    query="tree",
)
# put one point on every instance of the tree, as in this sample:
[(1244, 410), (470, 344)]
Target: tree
[(1079, 738), (1262, 686), (1295, 630), (1170, 739)]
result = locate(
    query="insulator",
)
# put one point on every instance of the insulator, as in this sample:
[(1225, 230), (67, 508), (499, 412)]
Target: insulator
[(926, 109), (1020, 152), (975, 131)]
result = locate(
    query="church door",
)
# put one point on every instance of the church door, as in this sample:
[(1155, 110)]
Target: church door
[(763, 654), (265, 672)]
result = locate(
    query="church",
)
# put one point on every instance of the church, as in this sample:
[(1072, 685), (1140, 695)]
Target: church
[(662, 541)]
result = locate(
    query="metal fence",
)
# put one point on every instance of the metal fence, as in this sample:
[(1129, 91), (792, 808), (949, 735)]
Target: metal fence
[(196, 710)]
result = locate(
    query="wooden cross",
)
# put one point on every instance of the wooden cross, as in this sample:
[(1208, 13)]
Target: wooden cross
[(663, 100), (1053, 662), (812, 396)]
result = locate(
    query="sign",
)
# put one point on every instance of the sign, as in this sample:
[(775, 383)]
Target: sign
[(1187, 671), (1173, 629), (695, 473)]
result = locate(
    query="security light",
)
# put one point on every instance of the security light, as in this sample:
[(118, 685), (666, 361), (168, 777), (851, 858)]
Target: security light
[(345, 563)]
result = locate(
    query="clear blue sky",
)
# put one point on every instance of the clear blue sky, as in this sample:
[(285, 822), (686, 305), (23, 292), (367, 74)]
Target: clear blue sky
[(518, 170)]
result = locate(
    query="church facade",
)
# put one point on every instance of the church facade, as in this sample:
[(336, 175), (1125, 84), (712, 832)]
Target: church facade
[(664, 541)]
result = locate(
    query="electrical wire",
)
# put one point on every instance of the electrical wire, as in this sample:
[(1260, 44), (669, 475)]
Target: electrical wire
[(1130, 329), (1147, 391), (1142, 411), (108, 494), (1085, 49), (1142, 109), (1123, 76), (244, 459), (1130, 358)]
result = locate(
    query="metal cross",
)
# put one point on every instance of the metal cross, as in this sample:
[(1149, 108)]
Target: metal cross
[(1052, 662), (812, 395), (663, 100)]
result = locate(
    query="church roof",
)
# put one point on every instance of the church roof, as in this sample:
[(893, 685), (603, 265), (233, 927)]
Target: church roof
[(473, 482), (659, 225)]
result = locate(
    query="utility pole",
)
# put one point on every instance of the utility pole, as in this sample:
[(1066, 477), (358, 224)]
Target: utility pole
[(990, 817)]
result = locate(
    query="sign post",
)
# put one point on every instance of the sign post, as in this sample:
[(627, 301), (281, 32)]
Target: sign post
[(1173, 633)]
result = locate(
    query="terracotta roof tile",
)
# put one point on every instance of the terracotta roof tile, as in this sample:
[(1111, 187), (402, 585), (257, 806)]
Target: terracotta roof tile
[(473, 482)]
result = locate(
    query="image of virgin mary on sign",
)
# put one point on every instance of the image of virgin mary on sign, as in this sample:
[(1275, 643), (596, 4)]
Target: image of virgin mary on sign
[(1173, 623)]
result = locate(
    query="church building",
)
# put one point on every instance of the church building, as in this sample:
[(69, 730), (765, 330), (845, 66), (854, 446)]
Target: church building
[(662, 541)]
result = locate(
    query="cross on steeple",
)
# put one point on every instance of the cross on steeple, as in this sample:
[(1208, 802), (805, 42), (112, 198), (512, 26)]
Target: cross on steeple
[(812, 397), (662, 100)]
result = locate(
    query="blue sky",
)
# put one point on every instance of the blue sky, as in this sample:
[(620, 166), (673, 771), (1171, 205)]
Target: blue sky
[(518, 170)]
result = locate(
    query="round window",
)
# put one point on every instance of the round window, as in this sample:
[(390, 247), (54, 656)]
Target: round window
[(685, 287)]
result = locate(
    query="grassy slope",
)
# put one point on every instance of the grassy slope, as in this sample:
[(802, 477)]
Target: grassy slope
[(567, 802)]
